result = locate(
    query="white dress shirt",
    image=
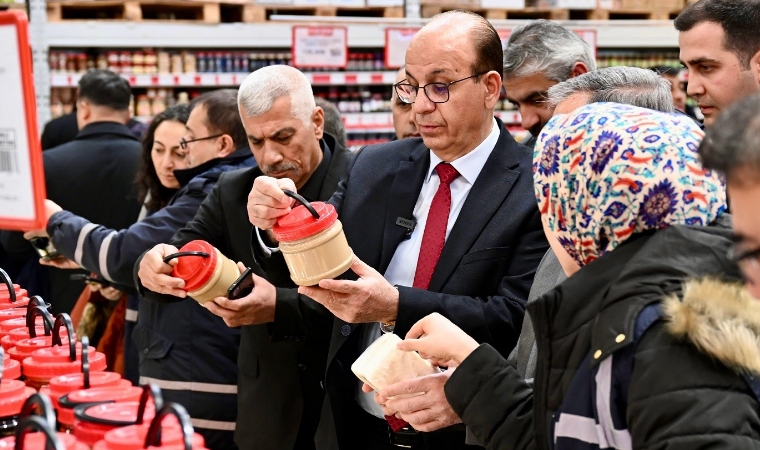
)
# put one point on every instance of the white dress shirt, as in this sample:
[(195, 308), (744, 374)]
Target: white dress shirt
[(403, 265)]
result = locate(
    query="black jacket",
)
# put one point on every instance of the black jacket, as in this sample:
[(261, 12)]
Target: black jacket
[(483, 276), (279, 396), (676, 397), (92, 176)]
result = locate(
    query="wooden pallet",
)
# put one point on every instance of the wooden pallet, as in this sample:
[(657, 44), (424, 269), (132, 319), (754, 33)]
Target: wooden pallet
[(206, 11), (261, 13), (428, 11)]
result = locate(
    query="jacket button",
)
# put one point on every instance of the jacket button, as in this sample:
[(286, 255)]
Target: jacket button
[(145, 351), (620, 338), (597, 354), (301, 366), (345, 330)]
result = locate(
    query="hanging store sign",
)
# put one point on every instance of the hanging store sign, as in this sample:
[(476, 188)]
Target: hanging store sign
[(320, 47), (397, 40)]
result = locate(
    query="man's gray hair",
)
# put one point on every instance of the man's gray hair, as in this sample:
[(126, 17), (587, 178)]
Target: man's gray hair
[(261, 88), (629, 85), (545, 47)]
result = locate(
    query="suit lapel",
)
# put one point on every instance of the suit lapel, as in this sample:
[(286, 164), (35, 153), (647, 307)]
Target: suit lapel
[(494, 183), (402, 198)]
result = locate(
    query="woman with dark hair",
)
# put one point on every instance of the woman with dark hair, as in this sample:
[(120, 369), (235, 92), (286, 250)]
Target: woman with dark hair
[(644, 346)]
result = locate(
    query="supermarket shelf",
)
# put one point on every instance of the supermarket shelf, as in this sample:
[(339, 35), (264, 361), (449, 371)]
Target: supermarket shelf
[(611, 34), (233, 79)]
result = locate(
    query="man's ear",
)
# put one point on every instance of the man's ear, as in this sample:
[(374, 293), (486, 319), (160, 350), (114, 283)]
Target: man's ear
[(579, 69), (754, 67), (318, 119), (226, 146), (493, 88), (83, 113)]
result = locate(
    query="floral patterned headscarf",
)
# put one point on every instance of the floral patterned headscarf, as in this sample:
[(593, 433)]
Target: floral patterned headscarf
[(608, 171)]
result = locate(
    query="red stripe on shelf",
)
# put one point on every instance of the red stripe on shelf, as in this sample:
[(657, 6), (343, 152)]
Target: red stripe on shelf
[(321, 79), (197, 80), (352, 79), (377, 78), (154, 81)]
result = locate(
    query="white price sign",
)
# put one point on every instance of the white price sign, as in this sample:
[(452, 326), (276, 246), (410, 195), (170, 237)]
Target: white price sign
[(320, 47), (397, 40), (22, 179)]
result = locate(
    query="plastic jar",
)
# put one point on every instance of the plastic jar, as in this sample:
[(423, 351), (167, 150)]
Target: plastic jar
[(11, 295), (207, 273), (68, 402), (312, 242), (13, 394)]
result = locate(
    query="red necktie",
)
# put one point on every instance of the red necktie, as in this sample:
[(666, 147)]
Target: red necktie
[(433, 240), (434, 236)]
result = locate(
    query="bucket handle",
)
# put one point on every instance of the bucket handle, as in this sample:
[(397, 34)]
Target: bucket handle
[(180, 254), (154, 432), (302, 201), (36, 300), (31, 313), (65, 319), (86, 362), (36, 423), (149, 390), (7, 281), (41, 404)]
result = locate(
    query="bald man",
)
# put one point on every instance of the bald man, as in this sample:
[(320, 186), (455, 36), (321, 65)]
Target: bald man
[(444, 223)]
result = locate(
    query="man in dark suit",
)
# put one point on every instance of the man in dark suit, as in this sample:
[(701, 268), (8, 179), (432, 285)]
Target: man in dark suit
[(279, 393), (92, 176), (450, 219)]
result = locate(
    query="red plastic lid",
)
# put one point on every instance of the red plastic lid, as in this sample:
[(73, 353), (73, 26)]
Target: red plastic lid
[(299, 223), (11, 313), (21, 301), (4, 288), (106, 394), (36, 441), (195, 270), (133, 436), (11, 369), (13, 394), (50, 362), (124, 412), (19, 322), (5, 296), (64, 384)]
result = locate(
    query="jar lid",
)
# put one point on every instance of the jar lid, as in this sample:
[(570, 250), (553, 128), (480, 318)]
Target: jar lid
[(19, 322), (12, 313), (195, 270), (50, 362), (299, 223), (37, 441), (11, 369), (115, 414), (21, 301), (63, 384), (13, 394), (101, 394), (133, 436)]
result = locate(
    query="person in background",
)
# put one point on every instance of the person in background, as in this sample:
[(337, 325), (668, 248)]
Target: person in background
[(732, 147), (92, 176), (539, 55), (479, 276), (281, 363), (641, 302), (403, 116), (333, 120), (170, 338), (720, 47), (677, 89)]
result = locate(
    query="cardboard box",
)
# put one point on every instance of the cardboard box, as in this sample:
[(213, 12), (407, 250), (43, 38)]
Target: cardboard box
[(503, 4)]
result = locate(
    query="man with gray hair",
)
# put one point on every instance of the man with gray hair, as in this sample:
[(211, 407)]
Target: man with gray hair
[(279, 374), (333, 120), (539, 55)]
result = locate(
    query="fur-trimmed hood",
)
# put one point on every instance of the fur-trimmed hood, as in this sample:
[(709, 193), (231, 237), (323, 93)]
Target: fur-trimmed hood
[(722, 319)]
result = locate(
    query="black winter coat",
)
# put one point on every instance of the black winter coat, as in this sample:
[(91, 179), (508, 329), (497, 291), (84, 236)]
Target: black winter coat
[(677, 396)]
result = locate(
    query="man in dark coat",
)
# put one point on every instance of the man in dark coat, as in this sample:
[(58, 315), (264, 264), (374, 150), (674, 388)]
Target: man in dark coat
[(65, 129), (92, 176), (279, 391), (466, 178)]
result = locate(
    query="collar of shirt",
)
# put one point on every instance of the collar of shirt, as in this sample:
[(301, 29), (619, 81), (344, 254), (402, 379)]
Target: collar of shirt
[(470, 165)]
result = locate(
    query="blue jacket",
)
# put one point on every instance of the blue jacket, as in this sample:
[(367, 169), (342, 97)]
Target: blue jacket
[(187, 351)]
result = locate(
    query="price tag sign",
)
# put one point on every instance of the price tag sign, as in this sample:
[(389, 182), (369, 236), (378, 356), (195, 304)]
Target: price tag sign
[(320, 47), (22, 178), (397, 40)]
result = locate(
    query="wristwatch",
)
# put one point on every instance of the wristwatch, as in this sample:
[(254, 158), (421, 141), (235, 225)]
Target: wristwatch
[(388, 327)]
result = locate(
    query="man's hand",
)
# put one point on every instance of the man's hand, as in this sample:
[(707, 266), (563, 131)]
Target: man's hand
[(155, 274), (60, 263), (108, 293), (421, 402), (369, 299), (267, 202), (255, 308), (50, 208), (436, 338)]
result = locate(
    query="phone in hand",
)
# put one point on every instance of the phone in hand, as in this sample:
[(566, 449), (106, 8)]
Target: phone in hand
[(90, 279), (44, 248), (242, 286)]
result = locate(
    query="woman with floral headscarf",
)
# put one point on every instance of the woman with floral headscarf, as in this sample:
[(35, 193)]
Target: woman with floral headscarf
[(631, 355)]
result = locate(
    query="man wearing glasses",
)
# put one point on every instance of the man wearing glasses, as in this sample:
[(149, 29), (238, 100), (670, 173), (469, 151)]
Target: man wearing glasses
[(447, 223), (732, 147)]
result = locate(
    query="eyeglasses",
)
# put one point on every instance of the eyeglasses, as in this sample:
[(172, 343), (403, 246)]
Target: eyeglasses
[(183, 142), (436, 92), (747, 260)]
